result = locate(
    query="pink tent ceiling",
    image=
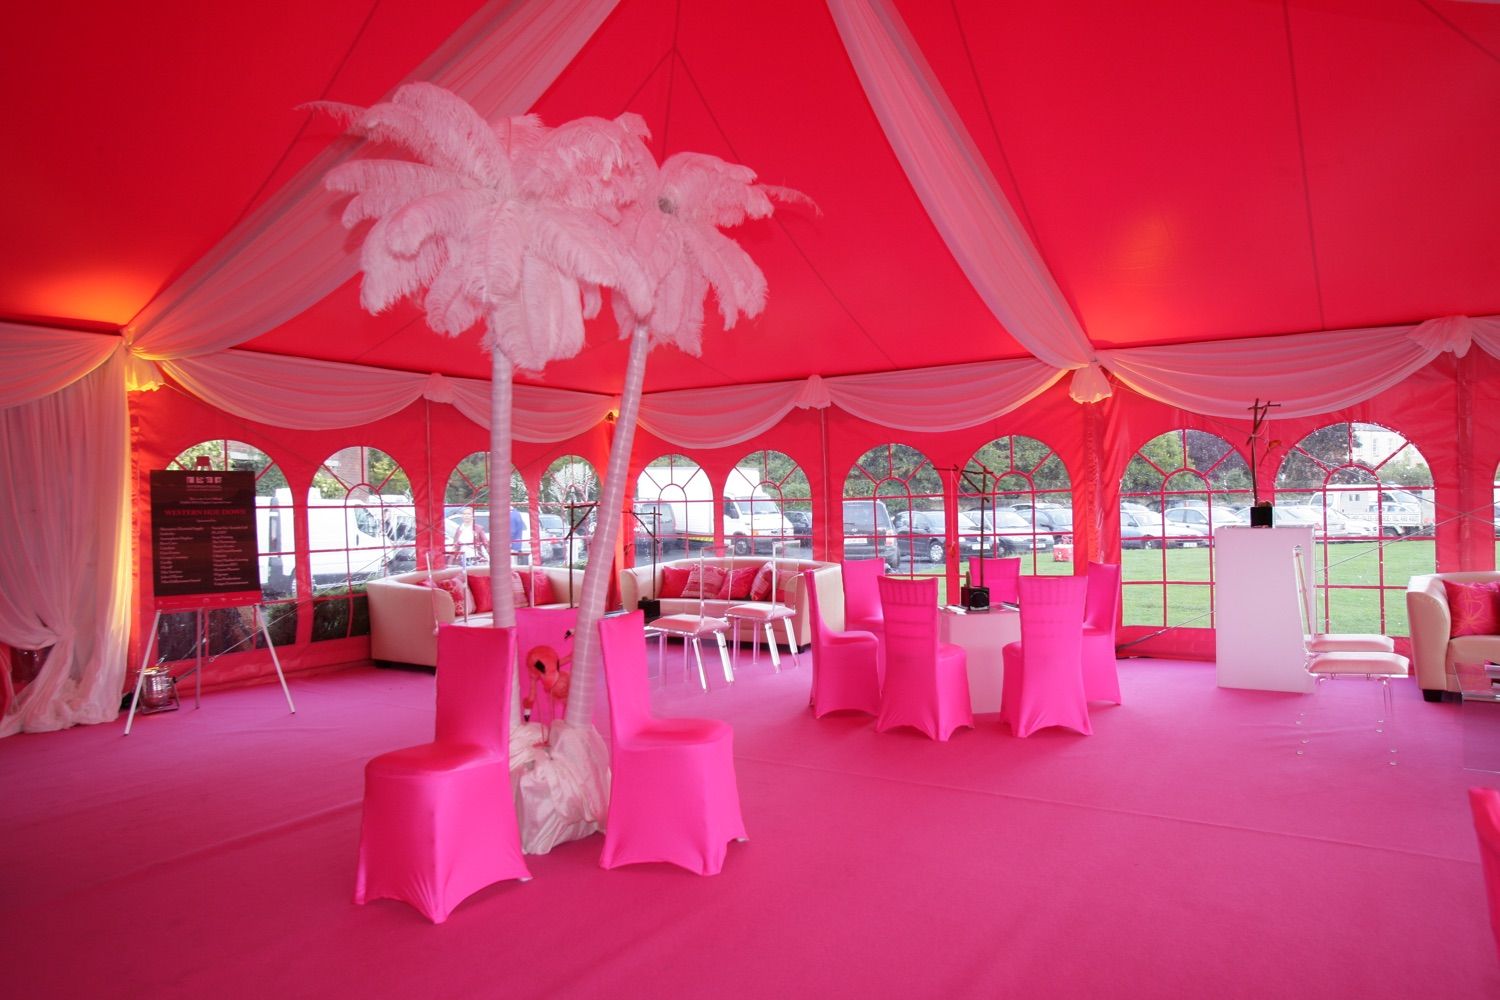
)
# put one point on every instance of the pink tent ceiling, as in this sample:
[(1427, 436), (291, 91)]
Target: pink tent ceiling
[(1187, 171)]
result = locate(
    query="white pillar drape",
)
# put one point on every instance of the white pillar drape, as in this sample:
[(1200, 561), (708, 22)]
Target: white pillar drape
[(64, 548)]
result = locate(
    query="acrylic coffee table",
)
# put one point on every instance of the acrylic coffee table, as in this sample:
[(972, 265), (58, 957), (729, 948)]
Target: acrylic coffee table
[(1480, 718)]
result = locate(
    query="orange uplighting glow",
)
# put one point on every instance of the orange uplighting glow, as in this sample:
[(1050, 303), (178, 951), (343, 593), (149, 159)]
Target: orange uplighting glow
[(110, 298)]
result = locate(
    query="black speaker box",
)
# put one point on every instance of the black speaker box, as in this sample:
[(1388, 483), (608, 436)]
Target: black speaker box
[(1260, 517), (652, 607), (975, 598)]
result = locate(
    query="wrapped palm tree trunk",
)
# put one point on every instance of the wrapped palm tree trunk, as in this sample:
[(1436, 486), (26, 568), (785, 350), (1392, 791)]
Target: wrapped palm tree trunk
[(502, 391), (611, 502)]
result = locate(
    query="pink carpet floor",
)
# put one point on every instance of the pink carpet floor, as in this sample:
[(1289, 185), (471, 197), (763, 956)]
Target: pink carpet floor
[(1184, 850)]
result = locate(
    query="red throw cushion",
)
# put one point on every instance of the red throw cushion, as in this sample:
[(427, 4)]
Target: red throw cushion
[(673, 580), (738, 583), (518, 587), (541, 589), (479, 589), (703, 581), (454, 586), (1475, 608)]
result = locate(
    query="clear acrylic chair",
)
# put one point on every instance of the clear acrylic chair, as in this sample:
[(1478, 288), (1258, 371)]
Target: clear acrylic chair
[(1330, 656)]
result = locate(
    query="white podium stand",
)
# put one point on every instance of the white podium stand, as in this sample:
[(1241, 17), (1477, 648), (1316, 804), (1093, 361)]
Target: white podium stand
[(1258, 627)]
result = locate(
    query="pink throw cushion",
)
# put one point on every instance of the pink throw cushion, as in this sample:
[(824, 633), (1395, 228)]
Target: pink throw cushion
[(541, 589), (708, 584), (738, 583), (454, 586), (673, 580), (761, 589), (479, 589), (1475, 608)]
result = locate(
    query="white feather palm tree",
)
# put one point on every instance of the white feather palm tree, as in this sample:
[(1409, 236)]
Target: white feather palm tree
[(507, 223), (673, 229)]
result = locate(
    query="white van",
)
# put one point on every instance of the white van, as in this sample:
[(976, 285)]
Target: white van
[(354, 540), (751, 518)]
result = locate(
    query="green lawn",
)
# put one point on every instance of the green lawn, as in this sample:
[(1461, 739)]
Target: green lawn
[(1345, 564), (1353, 567)]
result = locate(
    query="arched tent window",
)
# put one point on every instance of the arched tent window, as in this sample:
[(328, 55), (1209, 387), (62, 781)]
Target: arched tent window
[(361, 524), (674, 499), (1367, 493), (569, 492), (893, 504), (1015, 499), (771, 491), (1177, 490), (466, 513), (234, 629)]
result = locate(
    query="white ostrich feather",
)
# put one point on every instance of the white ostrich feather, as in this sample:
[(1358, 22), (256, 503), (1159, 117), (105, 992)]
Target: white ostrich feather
[(506, 222)]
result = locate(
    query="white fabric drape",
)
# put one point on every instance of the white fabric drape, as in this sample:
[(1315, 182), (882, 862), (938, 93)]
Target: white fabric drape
[(64, 548), (919, 399), (960, 194), (38, 361), (1305, 373), (290, 252), (319, 395)]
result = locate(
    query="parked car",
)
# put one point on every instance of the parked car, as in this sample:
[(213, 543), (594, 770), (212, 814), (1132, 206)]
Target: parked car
[(1003, 532), (1158, 532), (1049, 517), (658, 520), (554, 536), (1328, 524), (1207, 519), (801, 521), (921, 534), (867, 532)]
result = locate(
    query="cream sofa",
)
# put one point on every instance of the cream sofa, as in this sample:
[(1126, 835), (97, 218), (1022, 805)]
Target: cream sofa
[(1433, 651), (404, 614), (642, 581)]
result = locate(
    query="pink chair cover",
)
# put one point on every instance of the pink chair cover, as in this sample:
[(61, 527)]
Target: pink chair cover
[(862, 611), (1002, 576), (1101, 614), (846, 665), (439, 821), (1043, 683), (926, 682), (543, 634), (1486, 805), (673, 794)]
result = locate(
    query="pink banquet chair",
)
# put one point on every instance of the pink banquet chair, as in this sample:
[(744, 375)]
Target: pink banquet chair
[(673, 795), (1486, 805), (846, 665), (862, 611), (439, 819), (926, 681), (1001, 576), (1043, 680), (1101, 613)]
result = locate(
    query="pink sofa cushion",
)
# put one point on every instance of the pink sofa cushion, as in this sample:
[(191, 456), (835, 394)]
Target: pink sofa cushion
[(704, 580), (541, 589), (454, 587), (1474, 608)]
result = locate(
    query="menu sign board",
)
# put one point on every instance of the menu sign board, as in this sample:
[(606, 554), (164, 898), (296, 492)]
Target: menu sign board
[(203, 535)]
